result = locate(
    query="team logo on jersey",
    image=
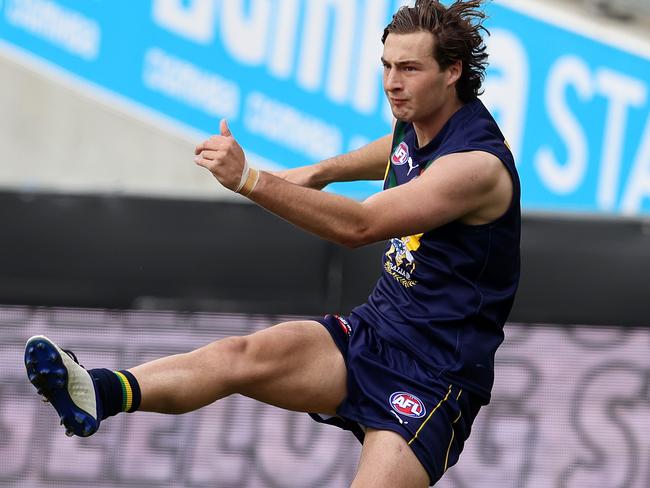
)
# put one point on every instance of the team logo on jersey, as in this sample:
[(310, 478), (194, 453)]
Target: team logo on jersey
[(400, 155), (400, 262), (406, 404)]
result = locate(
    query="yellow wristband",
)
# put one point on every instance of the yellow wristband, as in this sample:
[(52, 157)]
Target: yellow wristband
[(251, 182)]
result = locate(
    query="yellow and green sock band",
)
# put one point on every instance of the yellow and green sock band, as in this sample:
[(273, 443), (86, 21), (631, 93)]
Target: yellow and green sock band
[(127, 391), (117, 391), (130, 391)]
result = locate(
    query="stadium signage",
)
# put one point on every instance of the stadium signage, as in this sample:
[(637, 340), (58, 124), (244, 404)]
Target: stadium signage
[(301, 80)]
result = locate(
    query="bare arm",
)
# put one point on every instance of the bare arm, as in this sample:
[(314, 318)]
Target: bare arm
[(366, 163), (474, 187)]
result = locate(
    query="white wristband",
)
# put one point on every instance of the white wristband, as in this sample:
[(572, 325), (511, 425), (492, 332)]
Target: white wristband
[(251, 182), (244, 176)]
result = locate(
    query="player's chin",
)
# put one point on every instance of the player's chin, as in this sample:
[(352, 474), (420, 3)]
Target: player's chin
[(401, 114), (402, 117), (396, 113)]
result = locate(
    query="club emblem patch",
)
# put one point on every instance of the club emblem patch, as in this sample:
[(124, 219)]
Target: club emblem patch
[(400, 155)]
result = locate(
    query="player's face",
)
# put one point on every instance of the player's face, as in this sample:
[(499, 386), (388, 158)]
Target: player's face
[(415, 85)]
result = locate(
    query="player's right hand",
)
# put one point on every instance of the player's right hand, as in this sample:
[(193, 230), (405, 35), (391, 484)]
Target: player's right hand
[(222, 156)]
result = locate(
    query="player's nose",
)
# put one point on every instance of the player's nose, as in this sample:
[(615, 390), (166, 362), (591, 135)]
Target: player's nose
[(392, 81)]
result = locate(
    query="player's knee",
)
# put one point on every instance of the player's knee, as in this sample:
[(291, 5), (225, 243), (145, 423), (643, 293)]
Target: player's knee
[(239, 354), (235, 347), (251, 361)]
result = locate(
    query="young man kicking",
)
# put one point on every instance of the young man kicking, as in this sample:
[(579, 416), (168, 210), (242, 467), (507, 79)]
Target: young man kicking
[(408, 370)]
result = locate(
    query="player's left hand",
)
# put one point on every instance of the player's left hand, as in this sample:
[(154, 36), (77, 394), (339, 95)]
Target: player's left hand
[(223, 157)]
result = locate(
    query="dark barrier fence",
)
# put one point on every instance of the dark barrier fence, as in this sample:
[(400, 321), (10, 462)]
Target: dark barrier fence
[(124, 252)]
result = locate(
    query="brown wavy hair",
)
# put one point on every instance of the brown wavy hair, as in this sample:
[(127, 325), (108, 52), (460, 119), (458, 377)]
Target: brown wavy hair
[(457, 32)]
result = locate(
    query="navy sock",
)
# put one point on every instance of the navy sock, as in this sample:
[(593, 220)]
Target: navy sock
[(118, 391)]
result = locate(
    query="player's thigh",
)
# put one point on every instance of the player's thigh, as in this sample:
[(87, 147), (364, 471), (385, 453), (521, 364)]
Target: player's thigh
[(295, 365), (388, 462)]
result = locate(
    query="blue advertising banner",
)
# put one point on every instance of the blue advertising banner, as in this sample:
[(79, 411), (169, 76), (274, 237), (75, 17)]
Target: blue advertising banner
[(576, 111), (300, 80)]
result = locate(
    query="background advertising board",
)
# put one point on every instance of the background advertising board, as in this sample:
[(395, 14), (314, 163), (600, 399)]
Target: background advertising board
[(570, 409), (301, 80)]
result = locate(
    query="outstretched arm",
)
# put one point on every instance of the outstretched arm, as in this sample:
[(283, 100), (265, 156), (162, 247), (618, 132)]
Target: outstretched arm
[(473, 186), (366, 163)]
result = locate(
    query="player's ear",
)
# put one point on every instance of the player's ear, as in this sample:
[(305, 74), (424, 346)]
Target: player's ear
[(454, 72)]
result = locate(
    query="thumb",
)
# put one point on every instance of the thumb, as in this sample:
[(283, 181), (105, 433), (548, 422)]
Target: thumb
[(225, 130)]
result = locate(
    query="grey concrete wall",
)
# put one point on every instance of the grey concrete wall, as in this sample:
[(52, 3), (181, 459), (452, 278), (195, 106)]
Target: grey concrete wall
[(56, 134)]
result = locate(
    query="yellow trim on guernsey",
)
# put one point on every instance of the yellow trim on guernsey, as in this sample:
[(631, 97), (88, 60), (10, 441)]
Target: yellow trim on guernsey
[(387, 168)]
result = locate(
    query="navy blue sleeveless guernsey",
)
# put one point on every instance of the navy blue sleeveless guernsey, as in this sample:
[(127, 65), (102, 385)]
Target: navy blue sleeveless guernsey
[(445, 295)]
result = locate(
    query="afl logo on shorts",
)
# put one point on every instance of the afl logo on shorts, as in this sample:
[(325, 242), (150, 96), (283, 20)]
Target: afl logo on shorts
[(407, 404), (401, 154)]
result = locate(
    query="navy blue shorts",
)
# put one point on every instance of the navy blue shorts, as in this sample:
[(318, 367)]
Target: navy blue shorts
[(388, 389)]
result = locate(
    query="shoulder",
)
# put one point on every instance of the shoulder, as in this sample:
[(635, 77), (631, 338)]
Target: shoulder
[(480, 167), (477, 181), (468, 178)]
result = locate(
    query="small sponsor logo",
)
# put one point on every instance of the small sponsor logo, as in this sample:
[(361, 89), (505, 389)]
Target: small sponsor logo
[(411, 166), (345, 325), (407, 404), (401, 154)]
